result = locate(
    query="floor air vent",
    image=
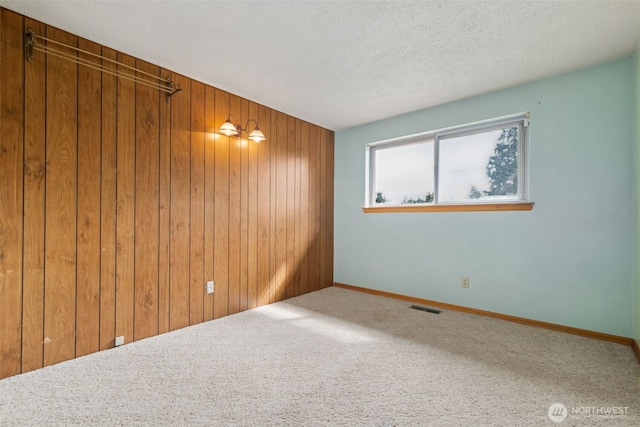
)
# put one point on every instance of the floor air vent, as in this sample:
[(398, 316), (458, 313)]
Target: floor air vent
[(427, 309)]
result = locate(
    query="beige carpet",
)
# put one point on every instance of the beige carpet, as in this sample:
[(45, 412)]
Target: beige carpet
[(337, 358)]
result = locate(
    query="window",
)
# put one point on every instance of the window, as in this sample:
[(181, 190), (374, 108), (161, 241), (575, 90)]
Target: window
[(481, 166)]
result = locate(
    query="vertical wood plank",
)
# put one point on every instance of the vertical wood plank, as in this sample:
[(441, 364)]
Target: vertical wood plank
[(34, 185), (61, 205), (164, 236), (88, 233), (313, 191), (323, 207), (209, 191), (264, 206), (147, 215), (273, 146), (319, 177), (196, 253), (281, 209), (221, 251), (298, 209), (304, 208), (108, 208), (235, 107), (291, 204), (330, 207), (244, 146), (11, 176), (180, 205), (252, 215), (125, 210)]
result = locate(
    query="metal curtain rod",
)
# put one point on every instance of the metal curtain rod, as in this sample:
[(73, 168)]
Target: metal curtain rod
[(157, 82)]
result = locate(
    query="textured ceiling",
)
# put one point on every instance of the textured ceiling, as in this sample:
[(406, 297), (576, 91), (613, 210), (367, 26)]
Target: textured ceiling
[(344, 63)]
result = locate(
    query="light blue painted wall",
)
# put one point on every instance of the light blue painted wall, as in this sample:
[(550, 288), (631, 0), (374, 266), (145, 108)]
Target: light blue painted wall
[(569, 261), (636, 216)]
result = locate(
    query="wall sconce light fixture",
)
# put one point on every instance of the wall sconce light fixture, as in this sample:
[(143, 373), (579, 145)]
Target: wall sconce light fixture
[(230, 129)]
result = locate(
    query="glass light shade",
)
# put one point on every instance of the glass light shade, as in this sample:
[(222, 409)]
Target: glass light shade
[(257, 135), (228, 128)]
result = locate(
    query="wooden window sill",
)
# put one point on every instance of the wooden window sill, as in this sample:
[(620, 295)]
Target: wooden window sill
[(475, 207)]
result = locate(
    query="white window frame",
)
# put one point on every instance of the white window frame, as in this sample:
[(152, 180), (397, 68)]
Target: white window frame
[(520, 120)]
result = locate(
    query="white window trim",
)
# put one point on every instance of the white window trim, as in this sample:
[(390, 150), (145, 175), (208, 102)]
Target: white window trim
[(521, 119)]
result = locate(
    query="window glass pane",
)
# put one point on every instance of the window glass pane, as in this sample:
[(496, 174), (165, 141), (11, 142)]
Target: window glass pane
[(404, 174), (479, 166)]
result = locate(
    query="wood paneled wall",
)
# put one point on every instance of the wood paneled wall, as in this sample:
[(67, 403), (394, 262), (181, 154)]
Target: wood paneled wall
[(116, 206)]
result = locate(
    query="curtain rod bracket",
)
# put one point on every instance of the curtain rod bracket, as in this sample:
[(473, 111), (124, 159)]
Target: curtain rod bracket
[(173, 88), (30, 42)]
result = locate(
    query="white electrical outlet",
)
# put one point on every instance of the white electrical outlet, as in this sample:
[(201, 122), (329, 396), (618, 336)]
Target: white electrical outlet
[(119, 340), (465, 282), (210, 287)]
